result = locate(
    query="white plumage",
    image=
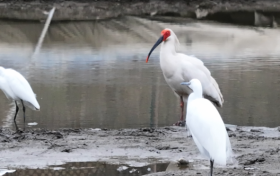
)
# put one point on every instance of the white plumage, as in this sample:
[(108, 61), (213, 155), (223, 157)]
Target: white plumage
[(178, 67), (206, 126), (16, 87)]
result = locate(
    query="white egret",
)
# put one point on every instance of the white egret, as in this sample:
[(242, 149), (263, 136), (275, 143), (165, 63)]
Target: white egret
[(178, 67), (16, 87), (207, 127)]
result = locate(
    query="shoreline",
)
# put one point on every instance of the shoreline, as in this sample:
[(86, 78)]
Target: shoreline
[(100, 10), (256, 149)]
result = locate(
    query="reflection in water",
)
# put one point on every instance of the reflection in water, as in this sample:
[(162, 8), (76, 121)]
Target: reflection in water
[(92, 168), (174, 166), (10, 115), (93, 74)]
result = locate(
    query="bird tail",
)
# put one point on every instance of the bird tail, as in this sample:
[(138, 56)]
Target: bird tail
[(230, 158), (220, 158), (221, 101), (34, 105), (222, 150)]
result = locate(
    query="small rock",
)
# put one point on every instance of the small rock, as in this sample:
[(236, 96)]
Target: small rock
[(183, 162), (260, 160), (253, 161), (55, 133), (67, 150), (132, 170), (151, 130), (163, 147), (255, 130), (122, 168)]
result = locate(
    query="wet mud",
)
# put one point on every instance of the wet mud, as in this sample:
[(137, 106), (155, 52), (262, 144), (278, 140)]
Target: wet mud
[(256, 149)]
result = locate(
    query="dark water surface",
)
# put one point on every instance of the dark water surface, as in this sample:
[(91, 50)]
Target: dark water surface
[(94, 75), (92, 168)]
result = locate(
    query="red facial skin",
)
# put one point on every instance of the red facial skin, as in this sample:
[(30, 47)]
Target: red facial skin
[(165, 33)]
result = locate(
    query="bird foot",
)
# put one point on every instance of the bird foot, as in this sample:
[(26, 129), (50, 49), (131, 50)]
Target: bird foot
[(18, 132), (180, 123)]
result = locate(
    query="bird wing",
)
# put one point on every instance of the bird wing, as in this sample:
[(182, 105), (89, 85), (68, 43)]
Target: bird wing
[(5, 87), (208, 129), (196, 69), (20, 87)]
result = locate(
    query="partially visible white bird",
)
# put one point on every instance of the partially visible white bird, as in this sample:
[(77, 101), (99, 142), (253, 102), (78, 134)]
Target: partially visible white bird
[(207, 127), (178, 67), (16, 87)]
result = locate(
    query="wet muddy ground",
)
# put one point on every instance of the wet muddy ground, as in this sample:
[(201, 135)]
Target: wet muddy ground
[(256, 150)]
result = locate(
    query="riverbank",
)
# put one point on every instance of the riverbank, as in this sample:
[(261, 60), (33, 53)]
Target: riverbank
[(97, 10), (256, 149)]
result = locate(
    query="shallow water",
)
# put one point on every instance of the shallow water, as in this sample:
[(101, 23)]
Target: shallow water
[(92, 168), (94, 75)]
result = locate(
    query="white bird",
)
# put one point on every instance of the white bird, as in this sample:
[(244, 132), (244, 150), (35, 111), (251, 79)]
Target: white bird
[(16, 88), (207, 127), (178, 67)]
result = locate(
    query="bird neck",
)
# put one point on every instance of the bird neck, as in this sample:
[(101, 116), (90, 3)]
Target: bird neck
[(196, 94), (168, 47)]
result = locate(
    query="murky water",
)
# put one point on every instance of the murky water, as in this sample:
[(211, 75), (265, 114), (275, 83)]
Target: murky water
[(93, 74), (92, 168)]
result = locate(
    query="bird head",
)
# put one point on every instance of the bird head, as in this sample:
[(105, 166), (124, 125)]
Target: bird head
[(166, 35), (194, 84)]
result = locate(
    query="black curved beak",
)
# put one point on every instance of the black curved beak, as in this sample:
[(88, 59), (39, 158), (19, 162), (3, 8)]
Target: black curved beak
[(154, 47)]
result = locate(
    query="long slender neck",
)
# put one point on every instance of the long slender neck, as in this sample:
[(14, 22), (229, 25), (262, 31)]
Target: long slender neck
[(197, 93), (168, 47)]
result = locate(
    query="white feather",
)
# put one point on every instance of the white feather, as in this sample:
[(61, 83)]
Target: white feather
[(16, 87), (178, 67), (207, 127)]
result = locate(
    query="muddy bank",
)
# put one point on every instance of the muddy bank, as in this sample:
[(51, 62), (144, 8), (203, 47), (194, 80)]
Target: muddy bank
[(94, 10), (256, 149)]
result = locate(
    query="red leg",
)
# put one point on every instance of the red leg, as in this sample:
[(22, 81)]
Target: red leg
[(181, 121), (182, 108)]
